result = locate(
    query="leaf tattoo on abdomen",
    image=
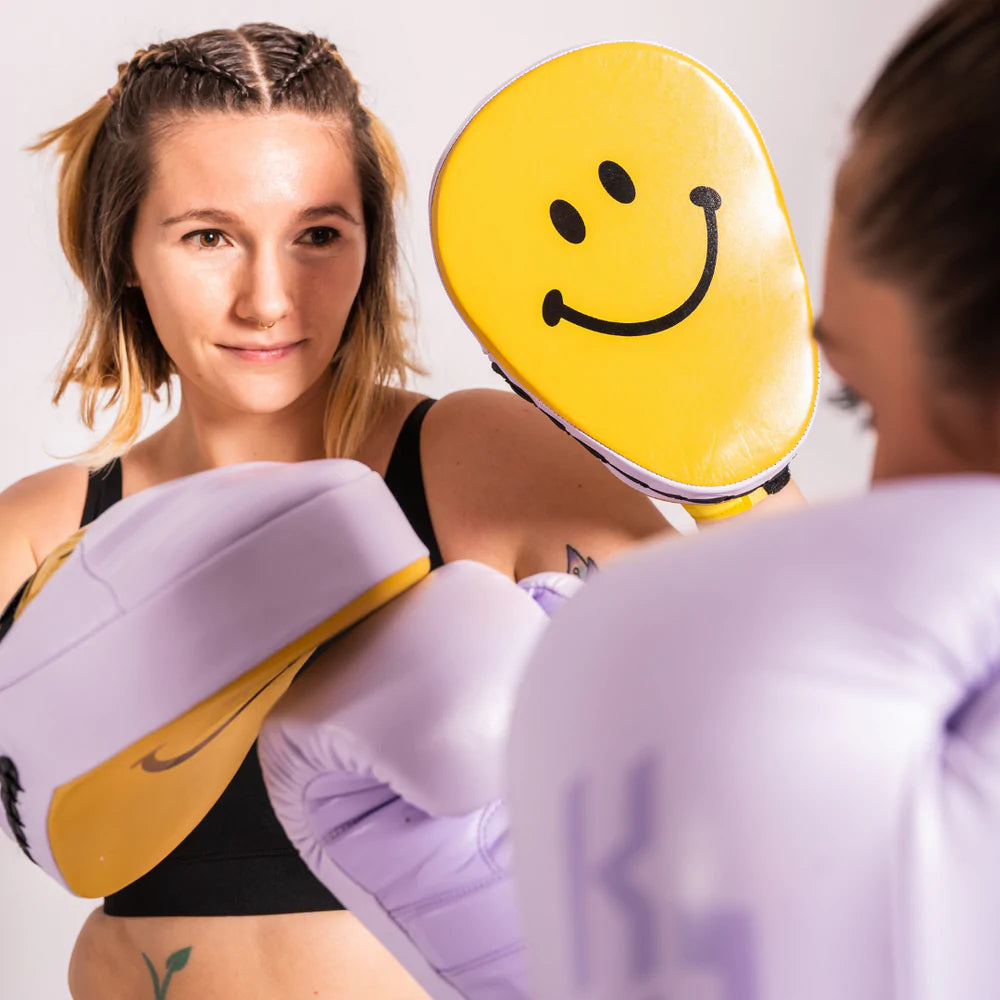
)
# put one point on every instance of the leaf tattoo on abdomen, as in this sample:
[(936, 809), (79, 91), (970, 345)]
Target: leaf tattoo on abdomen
[(175, 963)]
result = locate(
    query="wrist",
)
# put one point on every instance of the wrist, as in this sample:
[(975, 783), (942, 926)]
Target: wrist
[(702, 512)]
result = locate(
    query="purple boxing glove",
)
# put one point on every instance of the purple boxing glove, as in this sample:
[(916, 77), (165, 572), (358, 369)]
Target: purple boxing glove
[(789, 790), (384, 763), (550, 590)]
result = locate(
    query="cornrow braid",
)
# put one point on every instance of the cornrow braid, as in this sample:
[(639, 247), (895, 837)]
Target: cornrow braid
[(178, 56), (314, 52)]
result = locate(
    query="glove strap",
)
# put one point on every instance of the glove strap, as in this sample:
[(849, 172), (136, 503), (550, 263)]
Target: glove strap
[(737, 505)]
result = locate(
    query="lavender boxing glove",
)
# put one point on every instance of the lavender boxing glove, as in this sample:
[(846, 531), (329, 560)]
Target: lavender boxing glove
[(384, 763), (790, 790), (138, 662), (551, 590)]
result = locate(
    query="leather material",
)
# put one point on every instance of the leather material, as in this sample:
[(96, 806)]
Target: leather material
[(764, 764), (134, 682), (609, 225), (551, 590), (385, 763)]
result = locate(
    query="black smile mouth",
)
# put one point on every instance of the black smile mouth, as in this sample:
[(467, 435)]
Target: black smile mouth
[(555, 309)]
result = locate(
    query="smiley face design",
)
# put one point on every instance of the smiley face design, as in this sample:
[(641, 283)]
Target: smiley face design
[(609, 226), (570, 226)]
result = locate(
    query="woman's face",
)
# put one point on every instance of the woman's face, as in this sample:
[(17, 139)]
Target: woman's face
[(249, 248), (869, 331)]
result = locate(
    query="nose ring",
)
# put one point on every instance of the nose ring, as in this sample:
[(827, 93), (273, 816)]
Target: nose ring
[(265, 326)]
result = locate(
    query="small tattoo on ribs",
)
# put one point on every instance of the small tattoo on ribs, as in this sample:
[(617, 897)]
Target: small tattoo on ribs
[(577, 564)]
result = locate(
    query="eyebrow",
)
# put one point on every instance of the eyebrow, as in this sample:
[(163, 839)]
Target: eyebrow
[(217, 215)]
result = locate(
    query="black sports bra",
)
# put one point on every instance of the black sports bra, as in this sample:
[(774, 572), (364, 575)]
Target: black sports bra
[(238, 860)]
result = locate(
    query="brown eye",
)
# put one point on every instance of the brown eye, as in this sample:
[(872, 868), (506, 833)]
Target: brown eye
[(322, 236), (209, 238)]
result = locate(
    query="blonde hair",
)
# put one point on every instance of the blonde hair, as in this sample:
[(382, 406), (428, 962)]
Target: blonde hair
[(105, 156)]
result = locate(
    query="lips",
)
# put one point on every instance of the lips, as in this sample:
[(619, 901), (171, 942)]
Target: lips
[(261, 352)]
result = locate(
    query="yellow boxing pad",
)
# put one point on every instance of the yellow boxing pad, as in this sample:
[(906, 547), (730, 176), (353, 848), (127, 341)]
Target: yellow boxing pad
[(610, 227)]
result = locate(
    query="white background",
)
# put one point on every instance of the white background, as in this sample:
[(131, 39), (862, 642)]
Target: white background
[(799, 65)]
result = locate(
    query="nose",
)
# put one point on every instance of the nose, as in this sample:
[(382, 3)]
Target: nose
[(264, 293)]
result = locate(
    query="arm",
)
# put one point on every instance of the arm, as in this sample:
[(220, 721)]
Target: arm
[(507, 488), (36, 514), (17, 560)]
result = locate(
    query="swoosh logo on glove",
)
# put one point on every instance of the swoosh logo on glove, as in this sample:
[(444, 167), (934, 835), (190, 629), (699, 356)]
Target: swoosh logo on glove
[(153, 764)]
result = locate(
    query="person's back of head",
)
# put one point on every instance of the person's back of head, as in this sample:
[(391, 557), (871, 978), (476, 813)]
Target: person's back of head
[(921, 188)]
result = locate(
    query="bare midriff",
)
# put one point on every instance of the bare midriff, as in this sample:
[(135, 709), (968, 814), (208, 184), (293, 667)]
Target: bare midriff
[(297, 956)]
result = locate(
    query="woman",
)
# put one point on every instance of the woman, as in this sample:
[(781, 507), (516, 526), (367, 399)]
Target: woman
[(228, 207), (912, 292)]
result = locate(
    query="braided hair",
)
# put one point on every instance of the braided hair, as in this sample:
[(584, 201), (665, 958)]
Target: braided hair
[(105, 164)]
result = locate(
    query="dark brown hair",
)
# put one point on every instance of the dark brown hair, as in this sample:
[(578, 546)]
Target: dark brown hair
[(105, 162), (924, 206)]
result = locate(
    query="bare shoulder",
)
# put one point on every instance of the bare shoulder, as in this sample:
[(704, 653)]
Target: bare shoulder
[(36, 514), (472, 417), (508, 487), (377, 447), (48, 501)]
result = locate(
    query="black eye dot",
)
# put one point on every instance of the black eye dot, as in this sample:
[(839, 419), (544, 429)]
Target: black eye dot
[(616, 182), (568, 221), (706, 197)]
